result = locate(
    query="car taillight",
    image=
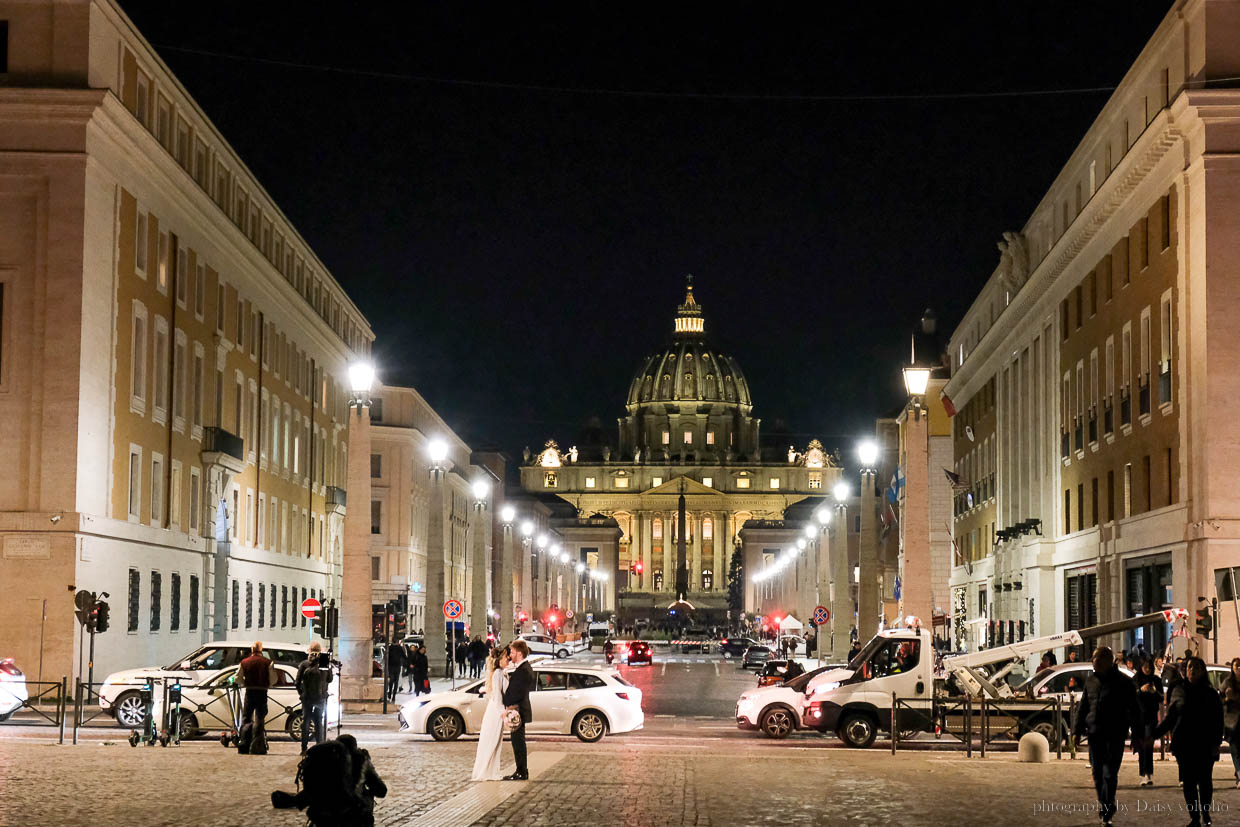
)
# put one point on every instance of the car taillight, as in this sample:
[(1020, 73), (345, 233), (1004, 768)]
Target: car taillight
[(624, 696), (725, 640), (9, 667)]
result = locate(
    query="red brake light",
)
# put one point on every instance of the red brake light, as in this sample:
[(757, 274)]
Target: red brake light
[(624, 696), (725, 640)]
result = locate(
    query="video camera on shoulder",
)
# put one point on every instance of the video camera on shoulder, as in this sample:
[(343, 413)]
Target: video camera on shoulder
[(323, 660)]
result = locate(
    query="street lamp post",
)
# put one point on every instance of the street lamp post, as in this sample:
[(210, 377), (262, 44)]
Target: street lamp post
[(356, 625), (841, 596), (527, 575), (914, 568), (506, 611), (867, 562), (479, 592), (437, 589)]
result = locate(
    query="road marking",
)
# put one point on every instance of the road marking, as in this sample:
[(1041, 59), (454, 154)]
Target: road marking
[(716, 669), (663, 671), (472, 804)]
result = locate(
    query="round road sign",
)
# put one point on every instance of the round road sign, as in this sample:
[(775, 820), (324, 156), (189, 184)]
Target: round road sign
[(310, 607), (453, 609), (569, 614), (821, 615)]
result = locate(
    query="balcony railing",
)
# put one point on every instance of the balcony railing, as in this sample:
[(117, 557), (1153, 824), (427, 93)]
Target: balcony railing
[(1108, 419), (336, 496), (217, 440), (1125, 408), (1143, 395), (1164, 383)]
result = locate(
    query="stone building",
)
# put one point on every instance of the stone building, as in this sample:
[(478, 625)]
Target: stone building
[(688, 431), (172, 362), (1095, 372)]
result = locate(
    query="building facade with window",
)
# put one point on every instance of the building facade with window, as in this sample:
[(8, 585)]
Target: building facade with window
[(172, 362), (688, 431), (1094, 372)]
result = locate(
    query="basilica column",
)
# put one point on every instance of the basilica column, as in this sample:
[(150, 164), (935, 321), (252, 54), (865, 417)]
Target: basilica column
[(647, 544), (695, 567), (669, 551), (720, 542)]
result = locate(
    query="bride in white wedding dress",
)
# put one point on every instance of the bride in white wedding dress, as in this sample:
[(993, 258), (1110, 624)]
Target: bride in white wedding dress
[(491, 734)]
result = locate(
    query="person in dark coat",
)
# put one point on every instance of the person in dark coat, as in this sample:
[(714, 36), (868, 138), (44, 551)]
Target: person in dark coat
[(478, 652), (420, 667), (521, 682), (462, 652), (1149, 699), (1107, 714), (1231, 715), (1195, 720), (394, 669), (364, 777)]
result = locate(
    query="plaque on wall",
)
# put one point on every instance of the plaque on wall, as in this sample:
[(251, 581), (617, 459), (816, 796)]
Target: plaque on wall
[(17, 547)]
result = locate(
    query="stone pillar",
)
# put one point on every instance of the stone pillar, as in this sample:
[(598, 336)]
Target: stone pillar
[(506, 617), (695, 567), (669, 551), (915, 551), (868, 581), (841, 593), (436, 572), (527, 576), (479, 593), (644, 579), (356, 648)]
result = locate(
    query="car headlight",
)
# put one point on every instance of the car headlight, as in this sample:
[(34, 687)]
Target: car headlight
[(827, 687)]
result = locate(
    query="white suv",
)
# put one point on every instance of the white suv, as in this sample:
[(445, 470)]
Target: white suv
[(775, 709), (586, 701), (545, 645), (119, 696)]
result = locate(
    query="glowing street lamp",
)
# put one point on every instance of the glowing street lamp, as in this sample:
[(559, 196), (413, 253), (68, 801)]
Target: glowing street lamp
[(841, 492), (507, 514), (867, 450)]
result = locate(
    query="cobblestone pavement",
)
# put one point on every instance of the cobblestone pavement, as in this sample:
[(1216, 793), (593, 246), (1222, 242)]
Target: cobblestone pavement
[(619, 781)]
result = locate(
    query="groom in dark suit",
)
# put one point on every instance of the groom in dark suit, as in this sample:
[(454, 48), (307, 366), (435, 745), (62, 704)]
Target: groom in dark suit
[(517, 696)]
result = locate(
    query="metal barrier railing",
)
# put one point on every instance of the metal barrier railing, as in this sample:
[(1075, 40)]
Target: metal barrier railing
[(35, 699), (963, 719)]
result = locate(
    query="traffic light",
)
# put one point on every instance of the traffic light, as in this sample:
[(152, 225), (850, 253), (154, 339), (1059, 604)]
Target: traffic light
[(319, 623), (639, 566), (1205, 623), (331, 621), (522, 616), (101, 616)]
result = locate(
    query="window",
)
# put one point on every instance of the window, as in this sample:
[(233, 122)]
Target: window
[(197, 400), (161, 263), (182, 273), (709, 482), (135, 585), (135, 484), (1067, 511), (708, 580), (251, 523), (376, 466), (160, 369), (156, 589), (688, 437), (262, 607), (374, 568), (236, 605), (550, 480), (667, 437), (174, 496), (742, 482), (1141, 241), (249, 605), (157, 489), (589, 482), (622, 482), (234, 515), (195, 482), (710, 437), (376, 513), (303, 600), (655, 482), (193, 602), (200, 292), (1164, 350), (140, 243), (774, 483), (137, 393), (1164, 223), (178, 381), (815, 479), (283, 607), (142, 104), (1093, 500), (1110, 496), (708, 529), (656, 529)]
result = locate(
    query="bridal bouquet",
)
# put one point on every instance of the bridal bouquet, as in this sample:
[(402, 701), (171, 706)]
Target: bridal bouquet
[(512, 719)]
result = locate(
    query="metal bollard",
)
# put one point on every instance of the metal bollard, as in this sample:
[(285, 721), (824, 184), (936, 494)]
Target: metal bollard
[(985, 721), (77, 709), (895, 732), (968, 726), (60, 707), (1058, 729)]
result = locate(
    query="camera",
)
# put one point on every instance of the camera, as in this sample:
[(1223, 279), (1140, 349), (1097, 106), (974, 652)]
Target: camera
[(324, 660)]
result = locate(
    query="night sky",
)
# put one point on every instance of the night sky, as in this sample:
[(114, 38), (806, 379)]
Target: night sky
[(512, 194)]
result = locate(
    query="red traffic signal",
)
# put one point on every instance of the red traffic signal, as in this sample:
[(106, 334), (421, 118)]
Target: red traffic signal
[(522, 616), (639, 566)]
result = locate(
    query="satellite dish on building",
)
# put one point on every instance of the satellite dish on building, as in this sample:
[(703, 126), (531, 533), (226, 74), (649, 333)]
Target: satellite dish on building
[(968, 431)]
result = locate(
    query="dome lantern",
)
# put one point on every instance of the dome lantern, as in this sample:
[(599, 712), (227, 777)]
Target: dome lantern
[(689, 321)]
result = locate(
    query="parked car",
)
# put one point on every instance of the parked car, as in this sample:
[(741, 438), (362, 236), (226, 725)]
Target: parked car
[(118, 696), (13, 691), (586, 701), (546, 645), (775, 709), (213, 704), (756, 655), (638, 651), (1066, 682), (734, 647)]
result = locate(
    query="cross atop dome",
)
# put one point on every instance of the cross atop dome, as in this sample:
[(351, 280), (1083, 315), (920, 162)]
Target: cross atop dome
[(689, 321)]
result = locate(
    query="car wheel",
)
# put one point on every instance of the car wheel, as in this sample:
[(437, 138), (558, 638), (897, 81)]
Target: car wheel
[(777, 722), (130, 711), (293, 725), (590, 726), (445, 725), (857, 730), (4, 716), (561, 653), (189, 725), (1047, 729)]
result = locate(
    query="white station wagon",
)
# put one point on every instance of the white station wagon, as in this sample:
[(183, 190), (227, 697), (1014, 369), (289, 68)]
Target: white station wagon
[(586, 701)]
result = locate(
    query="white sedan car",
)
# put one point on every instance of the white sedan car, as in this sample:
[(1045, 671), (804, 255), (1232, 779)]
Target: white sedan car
[(546, 645), (586, 701), (215, 703), (775, 709), (13, 692)]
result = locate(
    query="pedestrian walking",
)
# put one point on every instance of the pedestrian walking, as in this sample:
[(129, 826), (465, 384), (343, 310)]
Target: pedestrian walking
[(1149, 699), (477, 656), (462, 653), (410, 650), (257, 674), (1107, 713), (314, 675), (421, 668), (1195, 721), (1231, 716), (394, 669)]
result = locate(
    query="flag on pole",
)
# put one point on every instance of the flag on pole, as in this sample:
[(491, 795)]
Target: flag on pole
[(948, 405), (958, 482), (896, 593)]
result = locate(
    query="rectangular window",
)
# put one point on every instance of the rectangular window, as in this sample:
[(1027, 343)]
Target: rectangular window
[(376, 466), (1091, 286), (200, 291), (193, 602), (303, 600), (1064, 319), (262, 608), (195, 483), (135, 585), (709, 482), (182, 274), (161, 263), (655, 482), (622, 482), (1164, 224), (157, 584), (271, 601), (135, 483), (262, 520), (178, 381), (142, 104), (251, 523), (589, 482), (157, 490), (376, 514), (236, 605), (160, 369), (1078, 301), (284, 607), (1080, 506), (234, 515), (774, 483), (249, 605), (1125, 357), (710, 437), (374, 568), (688, 437), (1093, 499), (174, 496), (815, 479), (138, 366), (1164, 349), (1148, 481), (742, 482), (174, 603), (1067, 511), (198, 377)]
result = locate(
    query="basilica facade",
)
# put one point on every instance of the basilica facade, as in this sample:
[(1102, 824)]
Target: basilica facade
[(685, 471)]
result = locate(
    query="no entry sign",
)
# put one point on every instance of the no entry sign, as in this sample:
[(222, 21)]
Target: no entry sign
[(821, 615), (310, 607), (452, 609)]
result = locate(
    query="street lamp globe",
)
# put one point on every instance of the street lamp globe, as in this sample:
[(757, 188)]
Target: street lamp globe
[(801, 543), (823, 516), (564, 558), (527, 529), (541, 541), (507, 514), (867, 452), (811, 531), (916, 378), (481, 488), (841, 491), (361, 378), (581, 567), (438, 450)]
